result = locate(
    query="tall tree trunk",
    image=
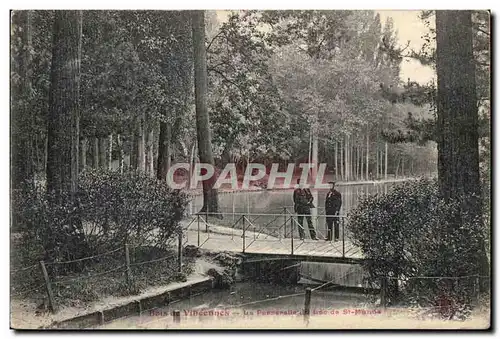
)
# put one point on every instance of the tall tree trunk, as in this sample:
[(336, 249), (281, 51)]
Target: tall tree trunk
[(110, 152), (210, 197), (191, 162), (83, 153), (341, 164), (397, 167), (121, 160), (367, 155), (95, 153), (348, 158), (314, 154), (355, 160), (458, 150), (150, 153), (386, 153), (22, 169), (64, 108), (361, 162), (140, 153), (103, 159), (377, 169), (336, 161), (163, 151)]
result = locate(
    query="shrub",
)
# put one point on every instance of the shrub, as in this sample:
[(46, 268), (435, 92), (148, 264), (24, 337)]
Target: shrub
[(45, 228), (119, 208), (111, 209), (411, 232)]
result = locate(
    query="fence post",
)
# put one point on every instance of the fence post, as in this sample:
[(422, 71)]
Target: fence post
[(179, 252), (383, 292), (48, 286), (307, 304), (206, 221), (284, 223), (478, 288), (177, 316), (127, 263), (243, 220), (292, 225), (198, 216), (343, 237)]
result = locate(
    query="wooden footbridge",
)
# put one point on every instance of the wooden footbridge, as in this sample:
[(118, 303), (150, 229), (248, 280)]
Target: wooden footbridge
[(269, 236)]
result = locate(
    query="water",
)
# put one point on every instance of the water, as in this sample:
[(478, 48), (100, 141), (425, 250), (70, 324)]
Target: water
[(260, 299), (247, 299), (274, 201)]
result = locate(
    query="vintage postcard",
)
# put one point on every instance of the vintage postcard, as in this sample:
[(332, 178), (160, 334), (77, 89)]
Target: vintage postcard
[(250, 169)]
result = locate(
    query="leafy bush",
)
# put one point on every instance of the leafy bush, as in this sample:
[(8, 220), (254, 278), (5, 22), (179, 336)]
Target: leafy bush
[(111, 209), (45, 228), (411, 232), (119, 208)]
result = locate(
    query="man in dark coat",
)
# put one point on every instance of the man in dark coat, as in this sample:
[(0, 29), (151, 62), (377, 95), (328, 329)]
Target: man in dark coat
[(333, 203), (303, 202)]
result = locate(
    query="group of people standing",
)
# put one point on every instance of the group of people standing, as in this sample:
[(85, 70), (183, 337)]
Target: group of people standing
[(303, 202)]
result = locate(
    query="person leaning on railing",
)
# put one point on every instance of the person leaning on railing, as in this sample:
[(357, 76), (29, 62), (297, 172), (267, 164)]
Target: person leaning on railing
[(333, 203)]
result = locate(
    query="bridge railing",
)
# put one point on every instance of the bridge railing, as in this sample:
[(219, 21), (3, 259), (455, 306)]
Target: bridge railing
[(250, 231)]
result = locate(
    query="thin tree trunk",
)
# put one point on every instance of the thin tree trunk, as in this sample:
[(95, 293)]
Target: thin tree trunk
[(386, 153), (83, 153), (95, 153), (361, 162), (347, 159), (377, 168), (355, 161), (121, 160), (314, 154), (367, 154), (191, 162), (163, 151), (341, 164), (110, 152), (150, 153), (210, 196), (103, 163), (336, 161), (141, 156)]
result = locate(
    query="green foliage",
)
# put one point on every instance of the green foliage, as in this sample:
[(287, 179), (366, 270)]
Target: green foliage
[(118, 208), (411, 232), (50, 228), (245, 107), (112, 209)]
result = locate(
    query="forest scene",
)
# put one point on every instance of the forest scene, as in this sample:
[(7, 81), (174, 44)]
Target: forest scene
[(108, 108)]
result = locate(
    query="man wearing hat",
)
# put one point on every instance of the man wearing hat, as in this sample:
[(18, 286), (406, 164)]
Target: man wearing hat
[(333, 203)]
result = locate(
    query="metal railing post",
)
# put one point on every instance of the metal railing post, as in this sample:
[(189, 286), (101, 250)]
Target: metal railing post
[(243, 233), (307, 304), (206, 221), (343, 237), (292, 236), (284, 220), (179, 252), (198, 229)]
